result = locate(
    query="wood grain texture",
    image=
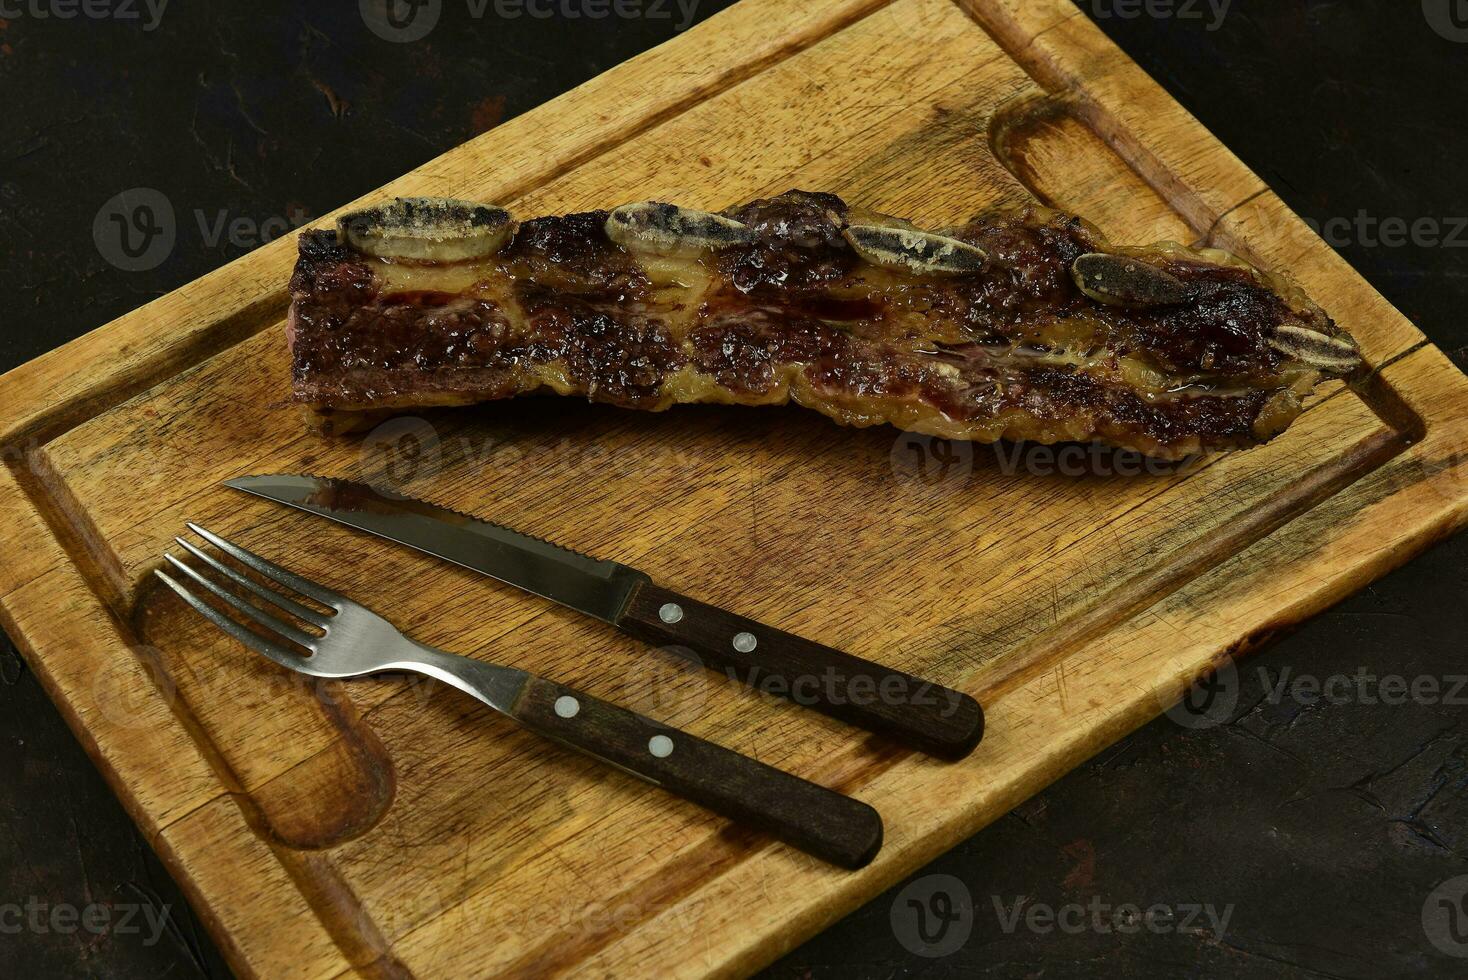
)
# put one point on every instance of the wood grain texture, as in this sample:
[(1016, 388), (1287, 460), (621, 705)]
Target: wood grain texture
[(389, 827)]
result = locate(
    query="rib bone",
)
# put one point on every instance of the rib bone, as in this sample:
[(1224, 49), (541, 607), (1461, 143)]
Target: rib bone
[(666, 229), (1120, 280), (913, 250), (428, 229), (1335, 355)]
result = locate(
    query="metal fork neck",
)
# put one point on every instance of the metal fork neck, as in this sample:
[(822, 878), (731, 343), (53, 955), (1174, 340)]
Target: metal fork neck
[(496, 686)]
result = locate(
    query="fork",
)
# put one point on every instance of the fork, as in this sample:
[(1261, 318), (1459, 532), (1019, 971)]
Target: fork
[(354, 642)]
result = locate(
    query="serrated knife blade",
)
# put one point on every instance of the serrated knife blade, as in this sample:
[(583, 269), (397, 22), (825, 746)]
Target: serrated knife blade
[(597, 588)]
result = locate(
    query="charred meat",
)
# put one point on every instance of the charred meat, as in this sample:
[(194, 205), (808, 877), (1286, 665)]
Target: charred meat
[(1025, 324)]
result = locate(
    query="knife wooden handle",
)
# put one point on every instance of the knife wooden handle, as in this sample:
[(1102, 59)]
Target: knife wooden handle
[(820, 821), (924, 715)]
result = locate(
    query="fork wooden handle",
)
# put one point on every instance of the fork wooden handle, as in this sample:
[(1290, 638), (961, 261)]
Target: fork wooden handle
[(925, 715), (820, 821)]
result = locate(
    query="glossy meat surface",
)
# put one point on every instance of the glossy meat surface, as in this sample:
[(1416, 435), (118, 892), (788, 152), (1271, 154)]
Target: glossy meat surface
[(1025, 324)]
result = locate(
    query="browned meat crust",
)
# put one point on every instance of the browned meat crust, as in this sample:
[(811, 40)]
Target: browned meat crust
[(1021, 325)]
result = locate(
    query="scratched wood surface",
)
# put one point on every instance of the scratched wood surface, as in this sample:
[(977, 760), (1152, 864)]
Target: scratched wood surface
[(392, 828)]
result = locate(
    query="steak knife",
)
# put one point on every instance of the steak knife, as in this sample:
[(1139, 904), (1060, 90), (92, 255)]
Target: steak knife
[(919, 713)]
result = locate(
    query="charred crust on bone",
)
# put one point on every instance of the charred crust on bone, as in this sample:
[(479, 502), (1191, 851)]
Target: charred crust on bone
[(670, 230), (428, 229)]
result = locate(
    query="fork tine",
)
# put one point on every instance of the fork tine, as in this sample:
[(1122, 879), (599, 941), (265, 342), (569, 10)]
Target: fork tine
[(257, 643), (277, 626), (269, 595), (271, 570)]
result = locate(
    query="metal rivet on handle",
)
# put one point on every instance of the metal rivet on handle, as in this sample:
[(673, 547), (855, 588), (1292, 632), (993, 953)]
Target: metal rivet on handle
[(670, 613), (567, 706), (660, 746), (745, 642)]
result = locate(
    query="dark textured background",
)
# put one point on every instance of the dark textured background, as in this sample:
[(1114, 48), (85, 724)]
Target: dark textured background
[(1324, 826)]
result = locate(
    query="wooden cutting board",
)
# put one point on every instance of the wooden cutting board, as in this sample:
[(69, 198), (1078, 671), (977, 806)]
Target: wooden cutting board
[(397, 829)]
